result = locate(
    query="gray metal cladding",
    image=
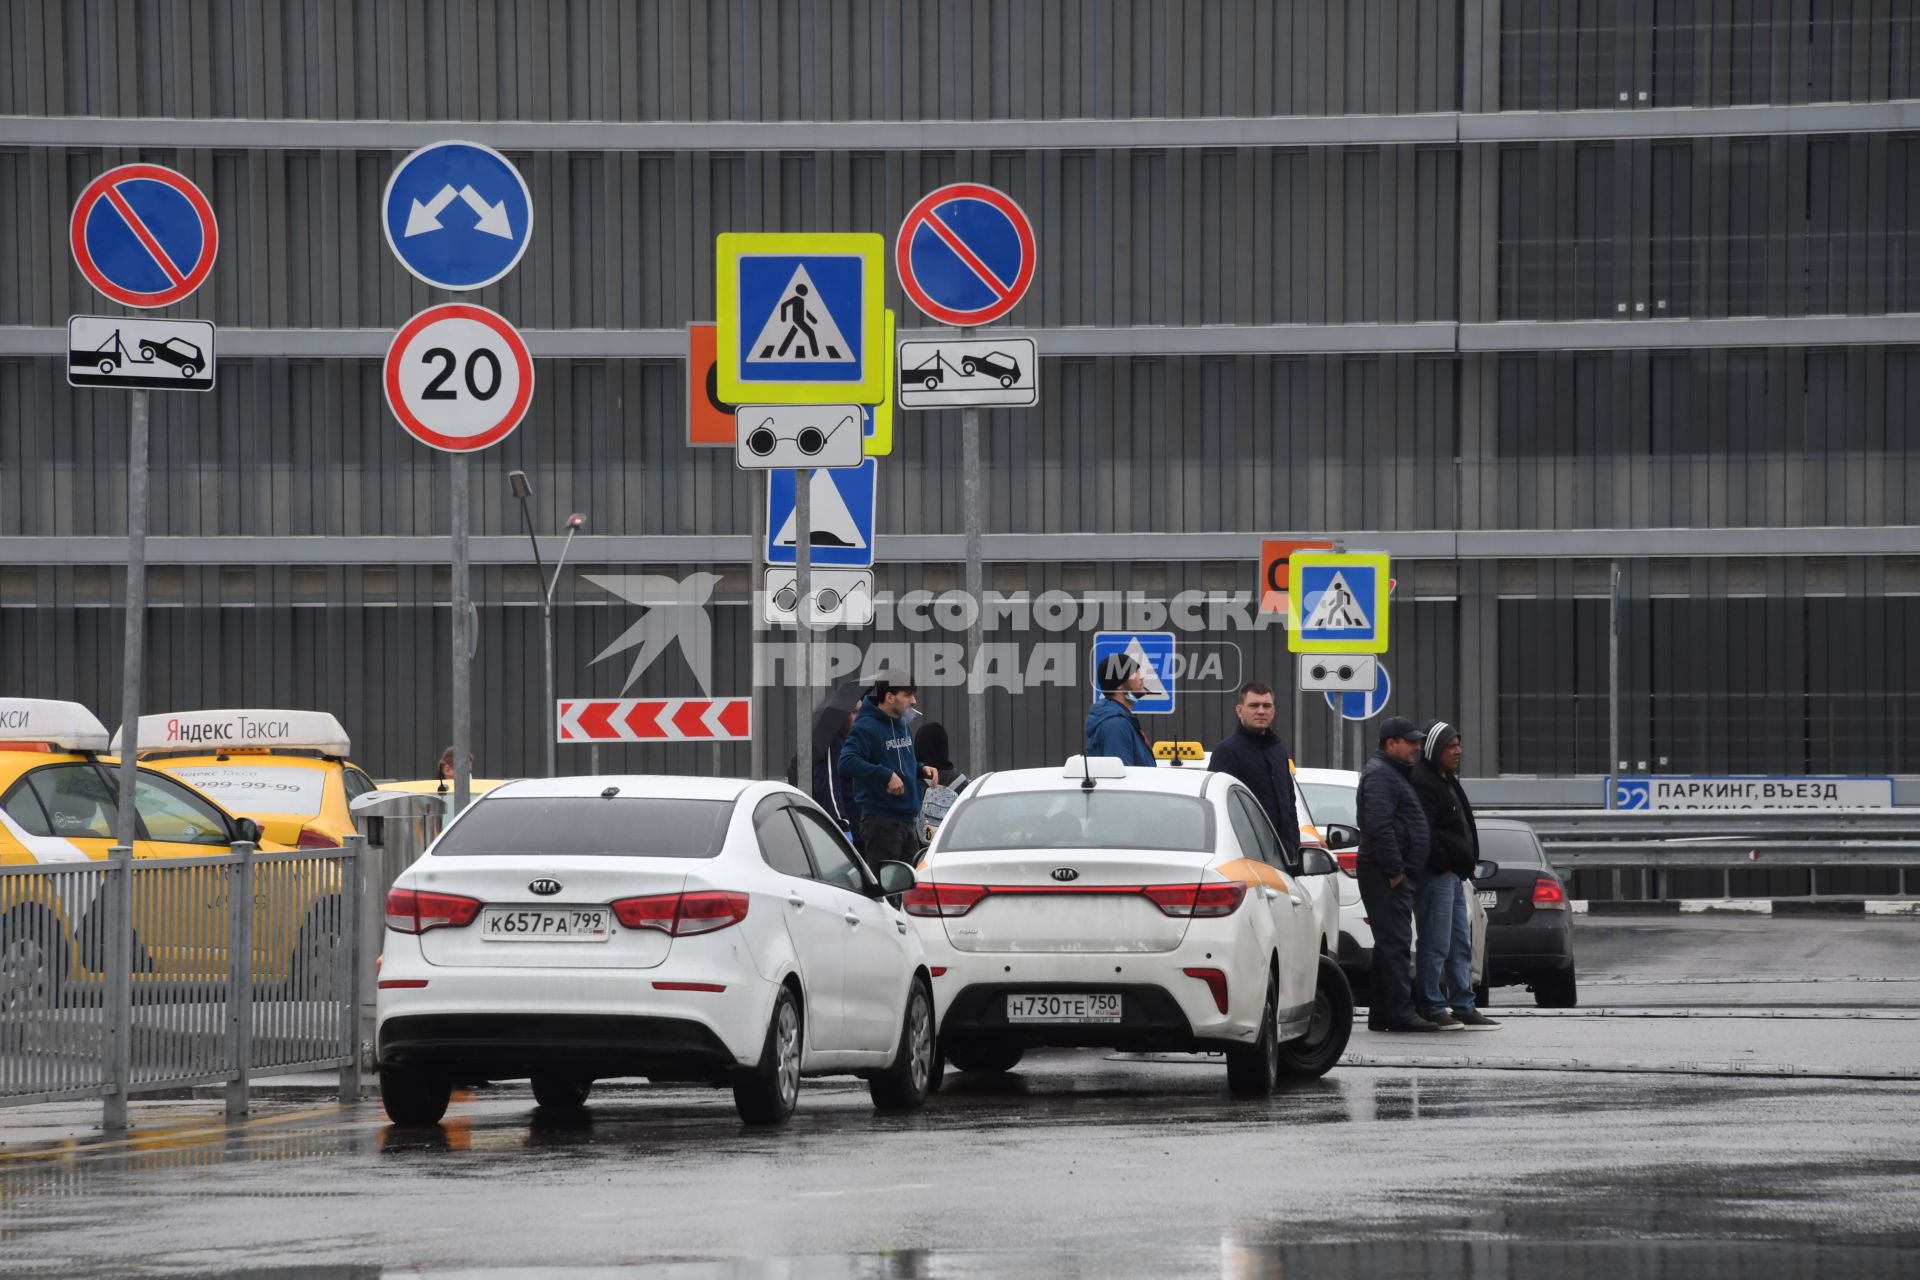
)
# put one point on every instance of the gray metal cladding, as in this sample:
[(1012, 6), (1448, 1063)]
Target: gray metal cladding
[(729, 59)]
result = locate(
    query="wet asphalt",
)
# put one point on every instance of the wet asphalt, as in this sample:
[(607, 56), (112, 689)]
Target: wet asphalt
[(1678, 1124)]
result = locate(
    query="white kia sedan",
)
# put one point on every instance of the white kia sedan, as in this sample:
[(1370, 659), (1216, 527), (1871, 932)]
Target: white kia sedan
[(705, 930), (1145, 909)]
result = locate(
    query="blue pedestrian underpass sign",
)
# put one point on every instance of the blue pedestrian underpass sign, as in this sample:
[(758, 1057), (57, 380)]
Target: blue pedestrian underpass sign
[(1364, 706), (1154, 651), (457, 214)]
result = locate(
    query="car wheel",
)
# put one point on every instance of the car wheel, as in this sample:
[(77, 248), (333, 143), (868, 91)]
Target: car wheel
[(553, 1091), (1556, 990), (146, 352), (966, 367), (414, 1097), (1006, 380), (908, 1079), (32, 968), (108, 366), (931, 384), (1315, 1053), (188, 369), (1252, 1068), (986, 1059), (319, 954), (768, 1093)]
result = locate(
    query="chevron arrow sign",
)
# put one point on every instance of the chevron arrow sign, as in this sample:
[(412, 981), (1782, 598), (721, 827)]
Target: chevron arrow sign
[(656, 719)]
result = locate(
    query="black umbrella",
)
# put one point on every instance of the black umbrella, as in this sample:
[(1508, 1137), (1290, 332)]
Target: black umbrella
[(831, 715)]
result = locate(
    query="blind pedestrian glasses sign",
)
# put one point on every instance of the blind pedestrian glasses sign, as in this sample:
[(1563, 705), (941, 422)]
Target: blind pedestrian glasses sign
[(144, 236), (459, 377)]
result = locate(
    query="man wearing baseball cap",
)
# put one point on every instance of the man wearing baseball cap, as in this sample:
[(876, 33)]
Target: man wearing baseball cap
[(1394, 845)]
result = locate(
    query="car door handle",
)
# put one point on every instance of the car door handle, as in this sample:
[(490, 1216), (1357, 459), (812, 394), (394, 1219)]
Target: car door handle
[(795, 900), (852, 919), (1268, 892), (1295, 901)]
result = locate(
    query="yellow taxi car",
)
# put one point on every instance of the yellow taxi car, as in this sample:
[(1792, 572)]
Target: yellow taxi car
[(59, 798), (287, 770)]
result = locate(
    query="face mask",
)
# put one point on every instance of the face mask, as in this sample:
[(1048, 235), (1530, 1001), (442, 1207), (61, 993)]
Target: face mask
[(1131, 695)]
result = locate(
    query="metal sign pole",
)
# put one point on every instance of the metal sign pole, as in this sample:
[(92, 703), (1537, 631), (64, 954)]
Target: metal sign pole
[(802, 617), (136, 630), (976, 629), (1613, 683), (756, 621), (462, 641)]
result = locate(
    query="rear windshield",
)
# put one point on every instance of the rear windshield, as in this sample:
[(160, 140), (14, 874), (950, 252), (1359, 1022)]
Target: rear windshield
[(259, 788), (578, 825), (1330, 802), (1098, 819), (1504, 845)]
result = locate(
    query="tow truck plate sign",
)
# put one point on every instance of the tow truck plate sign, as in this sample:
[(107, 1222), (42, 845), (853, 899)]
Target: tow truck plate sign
[(950, 372), (130, 351)]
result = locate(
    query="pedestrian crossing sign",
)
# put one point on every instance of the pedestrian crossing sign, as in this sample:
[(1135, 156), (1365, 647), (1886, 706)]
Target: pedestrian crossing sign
[(801, 318), (1339, 602)]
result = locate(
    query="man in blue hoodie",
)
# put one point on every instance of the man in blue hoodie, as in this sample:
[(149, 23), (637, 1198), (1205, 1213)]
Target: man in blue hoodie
[(888, 781), (1112, 728)]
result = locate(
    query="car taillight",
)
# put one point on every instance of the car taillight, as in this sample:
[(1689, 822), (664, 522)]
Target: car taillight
[(416, 911), (1221, 898), (682, 914), (1349, 860), (315, 840), (1548, 895), (942, 899)]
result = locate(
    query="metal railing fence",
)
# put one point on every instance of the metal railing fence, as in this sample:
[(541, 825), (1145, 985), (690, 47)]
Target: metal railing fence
[(1812, 854), (139, 974)]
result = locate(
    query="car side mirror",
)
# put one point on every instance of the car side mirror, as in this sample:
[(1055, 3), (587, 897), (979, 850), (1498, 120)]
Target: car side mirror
[(1317, 862), (246, 829), (1484, 870), (1341, 836), (895, 877)]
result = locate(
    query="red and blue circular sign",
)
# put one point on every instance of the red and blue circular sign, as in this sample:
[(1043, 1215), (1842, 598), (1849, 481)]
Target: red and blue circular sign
[(144, 235), (965, 254)]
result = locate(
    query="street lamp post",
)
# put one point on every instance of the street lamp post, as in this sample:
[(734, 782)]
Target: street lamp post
[(524, 492)]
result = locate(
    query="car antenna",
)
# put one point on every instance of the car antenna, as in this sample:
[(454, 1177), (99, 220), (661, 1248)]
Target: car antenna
[(1086, 783)]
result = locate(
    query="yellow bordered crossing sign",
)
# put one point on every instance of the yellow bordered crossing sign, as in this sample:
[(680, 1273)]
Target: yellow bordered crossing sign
[(1339, 602), (802, 318), (879, 442)]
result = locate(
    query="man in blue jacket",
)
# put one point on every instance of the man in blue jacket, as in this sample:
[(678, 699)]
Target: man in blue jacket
[(888, 781), (1112, 728)]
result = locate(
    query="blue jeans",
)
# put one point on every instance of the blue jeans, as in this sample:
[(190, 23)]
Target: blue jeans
[(1443, 946)]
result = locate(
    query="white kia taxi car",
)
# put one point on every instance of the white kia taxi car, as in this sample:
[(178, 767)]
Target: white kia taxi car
[(1134, 908), (705, 930)]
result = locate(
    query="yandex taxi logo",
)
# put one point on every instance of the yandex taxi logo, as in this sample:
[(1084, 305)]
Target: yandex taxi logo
[(190, 733)]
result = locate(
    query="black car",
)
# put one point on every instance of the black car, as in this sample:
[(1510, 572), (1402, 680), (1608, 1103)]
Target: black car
[(1529, 920), (995, 364)]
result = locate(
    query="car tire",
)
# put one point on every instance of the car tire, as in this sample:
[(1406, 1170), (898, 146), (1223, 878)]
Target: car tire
[(931, 384), (966, 367), (33, 968), (313, 971), (1006, 380), (554, 1091), (413, 1097), (1556, 989), (146, 351), (107, 367), (1314, 1054), (908, 1079), (986, 1059), (188, 369), (1252, 1068), (768, 1093)]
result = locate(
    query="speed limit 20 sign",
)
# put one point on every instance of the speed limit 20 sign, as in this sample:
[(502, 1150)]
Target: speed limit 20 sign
[(459, 377)]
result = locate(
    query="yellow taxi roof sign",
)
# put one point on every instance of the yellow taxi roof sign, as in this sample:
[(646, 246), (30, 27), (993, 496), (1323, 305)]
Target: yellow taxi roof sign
[(222, 729), (1179, 751), (66, 725)]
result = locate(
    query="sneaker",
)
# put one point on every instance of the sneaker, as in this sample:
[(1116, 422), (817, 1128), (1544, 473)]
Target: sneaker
[(1445, 1021), (1412, 1024), (1474, 1020)]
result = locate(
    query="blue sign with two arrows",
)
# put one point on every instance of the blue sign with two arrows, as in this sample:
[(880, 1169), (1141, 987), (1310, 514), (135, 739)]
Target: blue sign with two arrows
[(457, 214)]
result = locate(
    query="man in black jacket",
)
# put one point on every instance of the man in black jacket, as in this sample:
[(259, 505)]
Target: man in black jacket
[(1394, 849), (1443, 959), (1254, 754)]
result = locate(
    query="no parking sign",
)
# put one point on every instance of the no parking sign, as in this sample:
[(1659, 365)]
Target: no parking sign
[(144, 235), (965, 254)]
